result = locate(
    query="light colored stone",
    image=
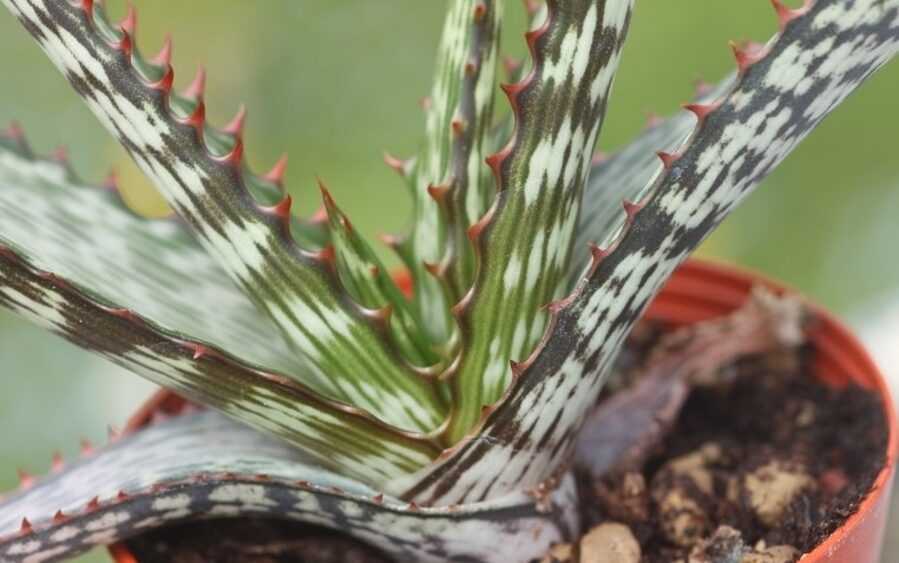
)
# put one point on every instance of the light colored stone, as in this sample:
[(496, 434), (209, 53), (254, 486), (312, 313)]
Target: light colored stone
[(772, 487), (695, 466), (683, 521), (724, 546), (560, 553), (610, 542), (773, 554)]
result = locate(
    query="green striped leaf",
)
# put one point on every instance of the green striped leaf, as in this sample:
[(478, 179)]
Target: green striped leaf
[(203, 465), (72, 258), (366, 278), (451, 186), (342, 341), (523, 243), (267, 189), (824, 51)]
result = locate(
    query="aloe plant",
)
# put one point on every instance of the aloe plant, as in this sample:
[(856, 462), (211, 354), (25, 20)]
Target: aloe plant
[(439, 426)]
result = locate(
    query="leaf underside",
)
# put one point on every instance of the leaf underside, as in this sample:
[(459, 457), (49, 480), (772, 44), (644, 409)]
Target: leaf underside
[(824, 51), (204, 465), (87, 235)]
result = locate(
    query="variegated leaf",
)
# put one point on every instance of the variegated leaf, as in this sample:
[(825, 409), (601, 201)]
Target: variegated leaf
[(523, 243), (626, 175), (343, 342), (204, 466), (451, 187), (366, 278), (515, 71), (88, 236), (824, 51), (72, 255), (267, 189)]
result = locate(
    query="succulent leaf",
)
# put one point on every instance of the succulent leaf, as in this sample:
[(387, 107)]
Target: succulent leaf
[(88, 236), (300, 290), (202, 464), (91, 255), (523, 242), (451, 186), (823, 52), (366, 278), (626, 175), (267, 189)]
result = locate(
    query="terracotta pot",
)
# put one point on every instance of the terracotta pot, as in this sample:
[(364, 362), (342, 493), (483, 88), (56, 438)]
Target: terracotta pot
[(702, 290)]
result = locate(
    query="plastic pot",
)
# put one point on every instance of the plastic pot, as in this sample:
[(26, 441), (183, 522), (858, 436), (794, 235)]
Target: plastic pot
[(702, 290)]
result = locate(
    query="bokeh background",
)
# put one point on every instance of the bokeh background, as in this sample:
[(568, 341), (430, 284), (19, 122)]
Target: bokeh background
[(334, 83)]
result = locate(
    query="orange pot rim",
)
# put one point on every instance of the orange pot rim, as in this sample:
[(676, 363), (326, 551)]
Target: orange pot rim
[(720, 287)]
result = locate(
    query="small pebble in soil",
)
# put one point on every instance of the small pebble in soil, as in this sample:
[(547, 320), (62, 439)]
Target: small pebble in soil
[(560, 553), (769, 489), (681, 490), (774, 554), (610, 542), (724, 546)]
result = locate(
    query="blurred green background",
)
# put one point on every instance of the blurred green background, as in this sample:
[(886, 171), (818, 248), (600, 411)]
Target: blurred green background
[(334, 83)]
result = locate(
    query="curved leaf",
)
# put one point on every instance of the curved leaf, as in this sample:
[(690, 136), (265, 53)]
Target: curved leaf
[(87, 235), (72, 255), (203, 465)]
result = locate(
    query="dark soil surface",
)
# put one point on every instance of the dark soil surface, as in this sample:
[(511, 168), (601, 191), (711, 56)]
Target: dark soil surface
[(771, 423), (250, 541)]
